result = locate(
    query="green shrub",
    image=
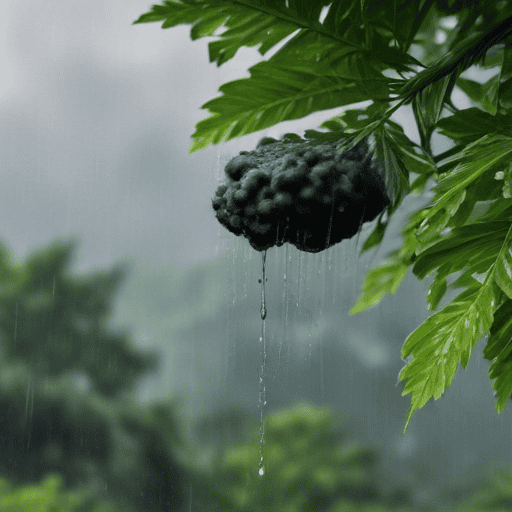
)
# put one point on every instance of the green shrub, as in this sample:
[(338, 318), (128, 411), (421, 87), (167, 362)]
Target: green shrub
[(47, 496)]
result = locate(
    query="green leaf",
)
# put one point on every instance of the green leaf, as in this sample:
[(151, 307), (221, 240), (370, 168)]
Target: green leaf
[(484, 189), (413, 156), (482, 155), (503, 268), (271, 95), (250, 30), (408, 18), (505, 94), (501, 330), (490, 98), (464, 211), (500, 209), (376, 236), (466, 52), (506, 176), (505, 88), (436, 218), (499, 351), (485, 249), (436, 292), (477, 245), (442, 341), (379, 282), (466, 280), (478, 157), (173, 13), (251, 23), (473, 89), (428, 104), (487, 94), (387, 277), (351, 120), (207, 26), (469, 125), (419, 184), (389, 152)]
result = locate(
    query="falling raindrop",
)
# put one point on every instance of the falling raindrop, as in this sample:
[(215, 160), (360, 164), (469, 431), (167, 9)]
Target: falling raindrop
[(233, 281), (263, 349), (29, 409), (285, 302), (305, 273), (299, 277), (322, 392), (16, 321), (329, 229), (247, 258), (359, 230), (262, 281)]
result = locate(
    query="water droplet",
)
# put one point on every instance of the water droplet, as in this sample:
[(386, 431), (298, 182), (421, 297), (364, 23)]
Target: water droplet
[(262, 281), (262, 398), (261, 471)]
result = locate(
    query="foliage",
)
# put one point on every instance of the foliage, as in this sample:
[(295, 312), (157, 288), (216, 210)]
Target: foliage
[(492, 495), (48, 496), (309, 466), (393, 54), (65, 383), (56, 322)]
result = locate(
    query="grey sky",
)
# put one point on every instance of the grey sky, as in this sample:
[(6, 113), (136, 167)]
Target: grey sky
[(96, 122)]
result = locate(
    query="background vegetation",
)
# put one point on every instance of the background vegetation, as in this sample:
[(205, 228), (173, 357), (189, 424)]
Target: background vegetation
[(74, 435), (69, 444)]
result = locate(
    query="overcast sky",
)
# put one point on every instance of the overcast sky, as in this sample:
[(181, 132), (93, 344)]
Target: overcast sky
[(96, 118)]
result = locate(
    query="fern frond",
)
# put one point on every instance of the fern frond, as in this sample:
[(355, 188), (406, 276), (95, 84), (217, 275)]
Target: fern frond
[(251, 23), (274, 94)]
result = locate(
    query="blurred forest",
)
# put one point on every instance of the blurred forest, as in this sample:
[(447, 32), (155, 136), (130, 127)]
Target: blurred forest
[(77, 437)]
